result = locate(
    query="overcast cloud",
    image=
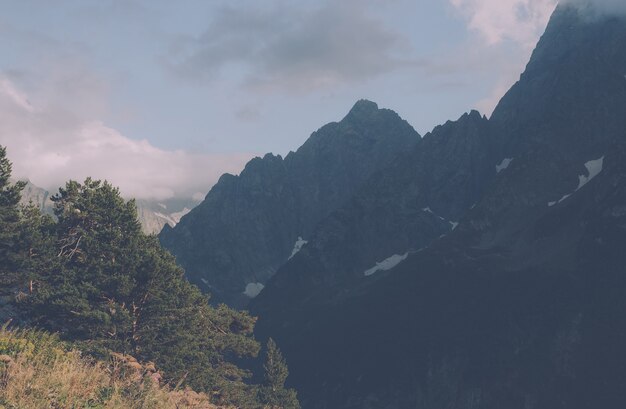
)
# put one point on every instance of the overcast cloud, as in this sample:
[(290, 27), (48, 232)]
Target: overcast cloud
[(286, 47)]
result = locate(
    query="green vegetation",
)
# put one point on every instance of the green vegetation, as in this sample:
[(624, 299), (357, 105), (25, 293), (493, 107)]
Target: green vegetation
[(9, 214), (273, 391), (92, 276)]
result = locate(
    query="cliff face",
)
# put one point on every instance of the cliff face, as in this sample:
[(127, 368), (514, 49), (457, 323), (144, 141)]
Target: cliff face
[(519, 306), (250, 224)]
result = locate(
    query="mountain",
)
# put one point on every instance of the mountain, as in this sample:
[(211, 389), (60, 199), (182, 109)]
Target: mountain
[(156, 214), (401, 209), (521, 305), (38, 196), (153, 214), (250, 224)]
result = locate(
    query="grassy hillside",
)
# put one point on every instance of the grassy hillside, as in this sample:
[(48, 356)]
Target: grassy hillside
[(39, 371)]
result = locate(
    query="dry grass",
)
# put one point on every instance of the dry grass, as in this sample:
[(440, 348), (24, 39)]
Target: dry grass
[(37, 372)]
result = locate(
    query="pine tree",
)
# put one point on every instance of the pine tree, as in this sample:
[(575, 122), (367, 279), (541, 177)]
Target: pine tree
[(10, 194), (35, 247), (273, 392)]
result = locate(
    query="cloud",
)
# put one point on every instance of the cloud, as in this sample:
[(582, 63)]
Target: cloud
[(284, 47), (520, 21), (50, 144), (17, 97)]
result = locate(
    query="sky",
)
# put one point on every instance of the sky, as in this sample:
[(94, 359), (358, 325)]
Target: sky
[(162, 97)]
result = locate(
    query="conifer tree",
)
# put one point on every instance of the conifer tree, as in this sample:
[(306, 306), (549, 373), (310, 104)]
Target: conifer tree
[(10, 194), (273, 392), (35, 247)]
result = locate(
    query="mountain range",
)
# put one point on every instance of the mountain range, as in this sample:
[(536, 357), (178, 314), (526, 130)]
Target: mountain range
[(479, 266)]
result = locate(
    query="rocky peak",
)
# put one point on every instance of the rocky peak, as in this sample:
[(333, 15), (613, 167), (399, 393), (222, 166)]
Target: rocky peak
[(273, 201), (362, 109)]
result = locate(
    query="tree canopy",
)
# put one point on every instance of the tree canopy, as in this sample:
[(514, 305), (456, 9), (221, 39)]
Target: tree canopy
[(92, 276)]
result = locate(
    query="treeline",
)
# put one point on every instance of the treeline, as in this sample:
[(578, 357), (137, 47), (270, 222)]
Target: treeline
[(92, 276)]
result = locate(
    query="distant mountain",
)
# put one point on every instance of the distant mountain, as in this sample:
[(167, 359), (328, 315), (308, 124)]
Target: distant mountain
[(38, 196), (153, 214), (521, 305), (250, 224)]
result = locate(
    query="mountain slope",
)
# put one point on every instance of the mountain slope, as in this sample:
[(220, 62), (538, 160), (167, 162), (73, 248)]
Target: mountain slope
[(520, 305), (249, 225), (400, 210)]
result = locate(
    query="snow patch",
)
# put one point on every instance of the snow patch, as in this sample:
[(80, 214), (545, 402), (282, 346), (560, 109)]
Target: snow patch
[(594, 167), (386, 264), (559, 201), (428, 210), (253, 289), (297, 246), (503, 165)]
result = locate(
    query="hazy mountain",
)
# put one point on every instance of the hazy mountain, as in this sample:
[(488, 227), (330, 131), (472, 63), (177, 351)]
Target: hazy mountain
[(153, 214), (156, 214), (521, 305), (37, 196), (250, 224)]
